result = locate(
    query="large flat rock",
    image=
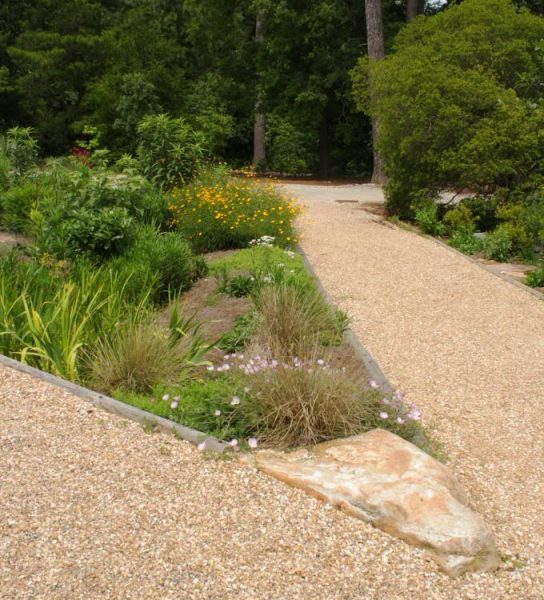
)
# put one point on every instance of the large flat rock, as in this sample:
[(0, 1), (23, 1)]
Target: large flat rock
[(388, 482)]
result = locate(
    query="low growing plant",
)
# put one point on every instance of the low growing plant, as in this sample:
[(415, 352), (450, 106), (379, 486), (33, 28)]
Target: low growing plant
[(229, 213)]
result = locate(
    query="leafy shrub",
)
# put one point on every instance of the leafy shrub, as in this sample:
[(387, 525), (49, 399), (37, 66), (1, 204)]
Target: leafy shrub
[(524, 222), (427, 218), (169, 150), (536, 278), (466, 242), (5, 172), (498, 245), (16, 204), (459, 219), (287, 147), (21, 149), (98, 234), (484, 211), (164, 260), (466, 82), (230, 213), (240, 335)]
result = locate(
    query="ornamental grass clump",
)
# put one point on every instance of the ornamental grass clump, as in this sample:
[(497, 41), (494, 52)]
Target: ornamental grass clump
[(217, 213), (297, 402), (292, 318)]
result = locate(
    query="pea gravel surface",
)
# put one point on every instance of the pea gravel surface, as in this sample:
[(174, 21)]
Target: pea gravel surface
[(91, 506)]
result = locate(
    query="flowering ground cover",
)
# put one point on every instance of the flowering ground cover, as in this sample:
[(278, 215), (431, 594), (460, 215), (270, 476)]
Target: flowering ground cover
[(283, 376)]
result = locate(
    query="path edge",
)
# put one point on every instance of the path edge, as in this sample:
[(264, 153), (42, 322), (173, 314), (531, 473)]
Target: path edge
[(372, 367), (119, 408)]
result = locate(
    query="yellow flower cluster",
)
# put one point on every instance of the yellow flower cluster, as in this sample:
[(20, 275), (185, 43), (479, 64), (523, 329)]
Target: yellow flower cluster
[(233, 205)]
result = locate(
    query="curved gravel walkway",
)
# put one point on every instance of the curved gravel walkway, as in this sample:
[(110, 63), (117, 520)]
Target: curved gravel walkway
[(93, 507)]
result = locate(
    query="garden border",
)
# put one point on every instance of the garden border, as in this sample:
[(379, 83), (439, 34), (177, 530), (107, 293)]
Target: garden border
[(119, 408), (373, 368), (503, 276)]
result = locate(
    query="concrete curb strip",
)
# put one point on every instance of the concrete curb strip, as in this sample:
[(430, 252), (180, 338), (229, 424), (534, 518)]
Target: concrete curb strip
[(372, 367), (121, 409)]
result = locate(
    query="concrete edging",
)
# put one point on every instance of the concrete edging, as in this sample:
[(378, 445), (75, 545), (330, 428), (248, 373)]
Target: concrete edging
[(373, 368), (119, 408)]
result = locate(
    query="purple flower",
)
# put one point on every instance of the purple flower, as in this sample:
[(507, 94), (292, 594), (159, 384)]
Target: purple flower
[(400, 421)]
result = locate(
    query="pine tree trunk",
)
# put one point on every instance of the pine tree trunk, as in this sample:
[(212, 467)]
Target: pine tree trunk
[(414, 8), (259, 127), (376, 51)]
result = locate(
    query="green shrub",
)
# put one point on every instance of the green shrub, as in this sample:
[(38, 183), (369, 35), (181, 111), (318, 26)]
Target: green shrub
[(16, 204), (287, 147), (466, 83), (466, 242), (484, 211), (21, 148), (498, 245), (162, 259), (98, 234), (536, 278), (459, 219), (169, 150), (218, 213), (427, 219), (524, 222)]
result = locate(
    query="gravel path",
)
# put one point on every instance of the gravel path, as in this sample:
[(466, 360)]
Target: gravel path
[(93, 507), (466, 346)]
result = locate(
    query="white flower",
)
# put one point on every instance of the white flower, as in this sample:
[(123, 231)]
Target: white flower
[(174, 404), (202, 446), (235, 401), (252, 443), (400, 420), (166, 397), (320, 362), (373, 384), (211, 368), (234, 443), (384, 415), (290, 254), (217, 413)]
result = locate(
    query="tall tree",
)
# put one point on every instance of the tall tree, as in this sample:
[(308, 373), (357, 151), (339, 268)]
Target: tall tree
[(376, 51), (259, 128), (414, 8)]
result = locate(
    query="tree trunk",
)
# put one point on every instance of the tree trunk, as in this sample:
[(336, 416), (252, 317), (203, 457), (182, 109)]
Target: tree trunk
[(414, 8), (324, 163), (259, 127), (376, 51)]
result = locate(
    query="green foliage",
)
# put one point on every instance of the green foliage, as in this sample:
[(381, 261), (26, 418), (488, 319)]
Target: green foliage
[(163, 260), (141, 356), (240, 335), (459, 219), (169, 150), (536, 278), (95, 233), (498, 245), (466, 83), (466, 242), (16, 204), (287, 147), (217, 213), (49, 320), (21, 149), (427, 218), (524, 222)]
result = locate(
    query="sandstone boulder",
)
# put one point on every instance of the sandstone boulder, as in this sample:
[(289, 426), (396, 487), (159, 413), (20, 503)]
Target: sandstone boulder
[(388, 482)]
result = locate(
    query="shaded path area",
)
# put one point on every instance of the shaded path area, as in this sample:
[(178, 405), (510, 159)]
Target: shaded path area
[(91, 506)]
